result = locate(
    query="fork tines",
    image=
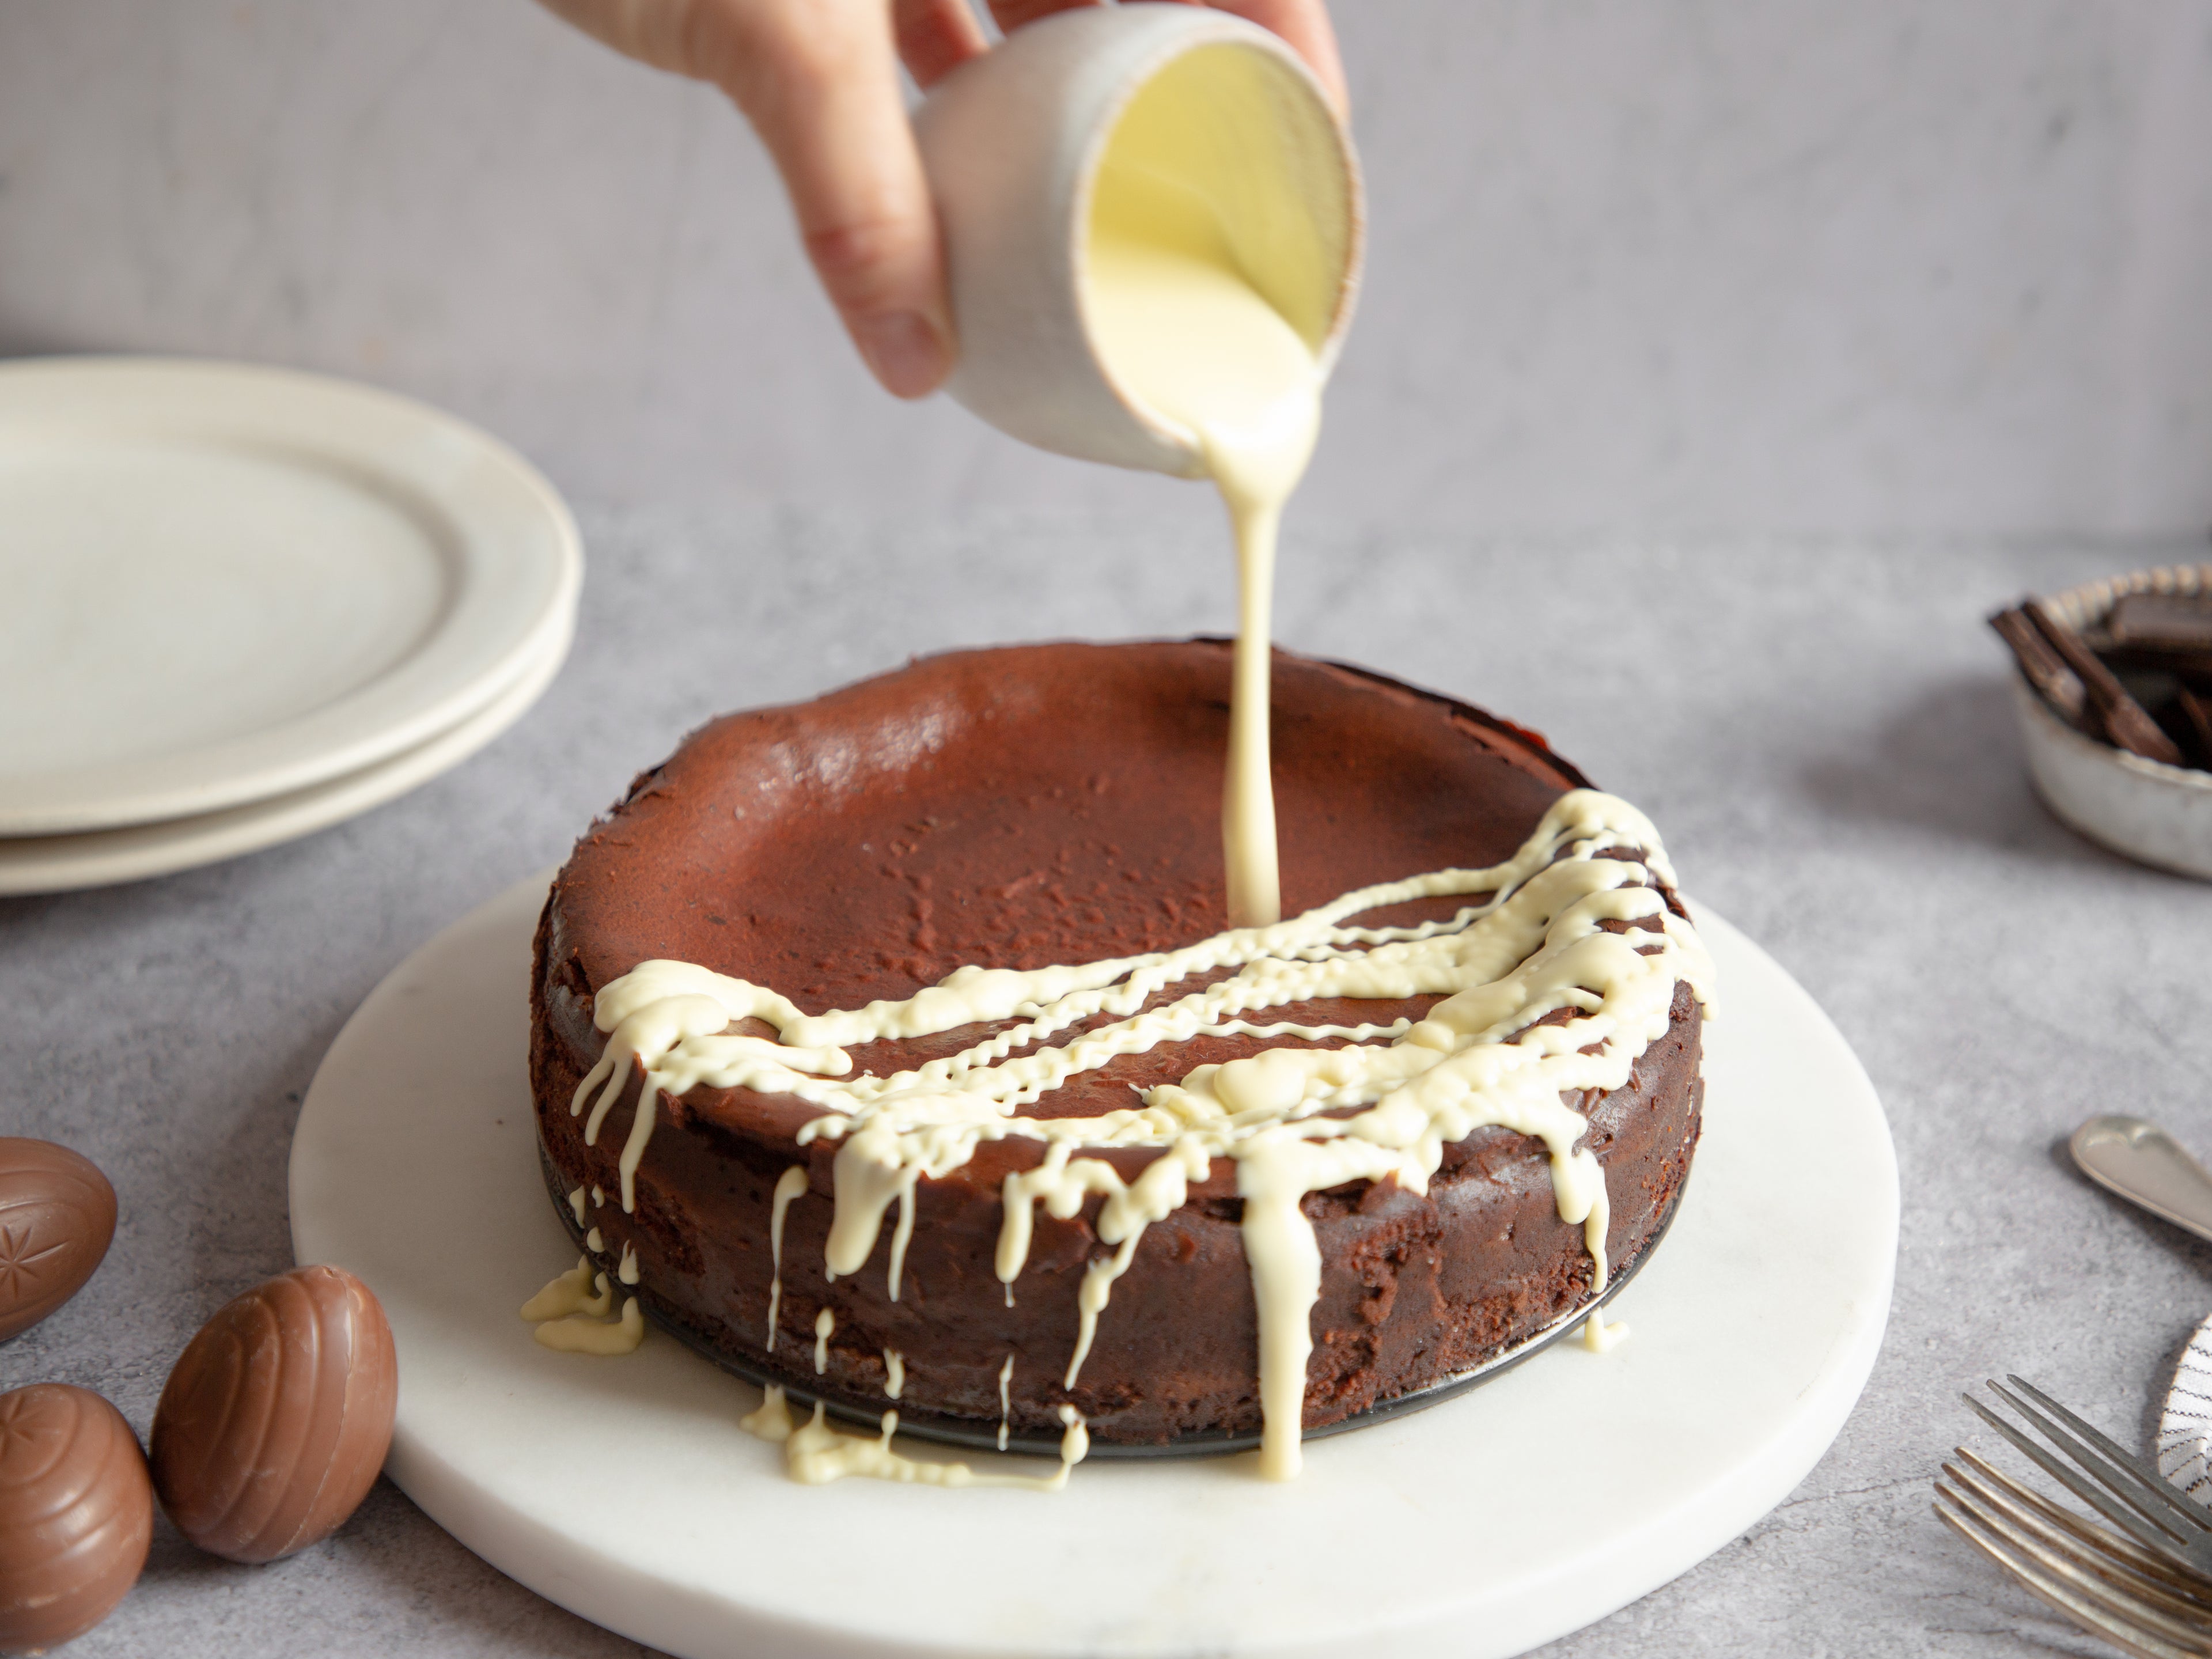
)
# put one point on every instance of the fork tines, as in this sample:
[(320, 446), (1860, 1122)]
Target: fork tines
[(2146, 1588)]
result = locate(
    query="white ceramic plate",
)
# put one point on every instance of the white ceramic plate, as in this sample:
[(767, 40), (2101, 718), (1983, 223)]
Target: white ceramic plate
[(623, 1489), (225, 583), (100, 858)]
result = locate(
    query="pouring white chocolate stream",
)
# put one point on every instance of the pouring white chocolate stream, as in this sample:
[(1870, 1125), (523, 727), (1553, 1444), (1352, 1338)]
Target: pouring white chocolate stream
[(1533, 941), (1181, 327)]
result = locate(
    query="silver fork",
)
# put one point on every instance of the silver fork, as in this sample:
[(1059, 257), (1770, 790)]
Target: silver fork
[(2147, 1587)]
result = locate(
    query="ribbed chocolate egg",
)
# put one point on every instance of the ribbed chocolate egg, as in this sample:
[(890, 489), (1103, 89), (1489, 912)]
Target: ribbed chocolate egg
[(276, 1417), (57, 1216), (76, 1513)]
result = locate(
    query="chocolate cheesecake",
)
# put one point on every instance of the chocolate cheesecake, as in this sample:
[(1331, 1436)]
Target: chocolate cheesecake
[(987, 814)]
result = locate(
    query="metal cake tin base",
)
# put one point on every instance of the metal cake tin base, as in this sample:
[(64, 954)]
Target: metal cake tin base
[(972, 1435)]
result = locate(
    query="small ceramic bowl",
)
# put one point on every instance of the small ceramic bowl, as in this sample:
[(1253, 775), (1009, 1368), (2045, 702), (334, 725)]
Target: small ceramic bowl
[(2158, 814), (1011, 142)]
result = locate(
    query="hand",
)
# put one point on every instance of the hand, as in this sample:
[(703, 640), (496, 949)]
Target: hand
[(818, 79)]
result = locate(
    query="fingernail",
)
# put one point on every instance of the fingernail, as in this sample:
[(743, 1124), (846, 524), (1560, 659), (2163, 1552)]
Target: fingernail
[(907, 355)]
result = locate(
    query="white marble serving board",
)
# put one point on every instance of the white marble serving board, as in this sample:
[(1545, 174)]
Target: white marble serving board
[(623, 1489)]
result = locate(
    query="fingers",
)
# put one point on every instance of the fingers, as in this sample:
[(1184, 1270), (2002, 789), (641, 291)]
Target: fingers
[(936, 36), (819, 79), (655, 31), (819, 82), (1303, 24), (1011, 14)]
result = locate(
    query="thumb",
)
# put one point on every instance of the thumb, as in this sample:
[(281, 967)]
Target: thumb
[(820, 83)]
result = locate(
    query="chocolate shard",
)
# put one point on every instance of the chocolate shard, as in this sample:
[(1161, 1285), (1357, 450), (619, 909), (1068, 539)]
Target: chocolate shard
[(2182, 621), (2127, 725), (2169, 633), (2198, 711), (2046, 671)]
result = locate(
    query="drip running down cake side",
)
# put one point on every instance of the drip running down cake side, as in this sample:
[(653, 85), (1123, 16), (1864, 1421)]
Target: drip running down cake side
[(917, 1007)]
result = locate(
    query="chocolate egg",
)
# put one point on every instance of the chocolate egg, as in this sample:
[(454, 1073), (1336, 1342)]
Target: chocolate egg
[(57, 1216), (76, 1513), (276, 1419)]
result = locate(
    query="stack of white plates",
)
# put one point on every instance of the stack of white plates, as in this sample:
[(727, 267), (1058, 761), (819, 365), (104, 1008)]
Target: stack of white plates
[(241, 605)]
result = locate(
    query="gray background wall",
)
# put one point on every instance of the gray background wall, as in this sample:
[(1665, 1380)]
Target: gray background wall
[(1638, 265)]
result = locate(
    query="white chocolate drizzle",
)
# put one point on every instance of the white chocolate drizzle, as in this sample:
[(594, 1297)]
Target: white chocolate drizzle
[(771, 1420), (599, 1336), (594, 1243), (789, 1185), (815, 1454), (569, 1293), (576, 1204), (894, 1373), (598, 1200), (1575, 926), (626, 1272), (1598, 1337), (825, 1323), (570, 1314)]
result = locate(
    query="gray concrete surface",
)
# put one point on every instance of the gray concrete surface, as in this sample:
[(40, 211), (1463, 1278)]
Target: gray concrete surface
[(1821, 732)]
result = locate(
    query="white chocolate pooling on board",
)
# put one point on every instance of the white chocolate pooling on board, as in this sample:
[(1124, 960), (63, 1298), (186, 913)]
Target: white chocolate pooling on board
[(1598, 1337), (599, 1336), (570, 1312), (569, 1293), (1532, 940), (815, 1454)]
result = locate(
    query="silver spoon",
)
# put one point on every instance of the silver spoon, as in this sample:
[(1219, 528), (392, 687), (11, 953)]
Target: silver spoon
[(2145, 1165)]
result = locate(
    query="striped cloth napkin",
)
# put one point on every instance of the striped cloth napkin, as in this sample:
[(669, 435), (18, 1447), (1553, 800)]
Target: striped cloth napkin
[(2184, 1428)]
